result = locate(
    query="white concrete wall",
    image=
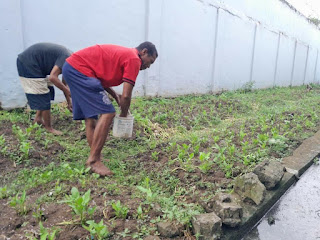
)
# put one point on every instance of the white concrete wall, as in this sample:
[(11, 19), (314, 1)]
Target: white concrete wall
[(204, 45), (11, 43)]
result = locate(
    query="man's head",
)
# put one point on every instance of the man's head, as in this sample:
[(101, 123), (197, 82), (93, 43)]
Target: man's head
[(148, 54)]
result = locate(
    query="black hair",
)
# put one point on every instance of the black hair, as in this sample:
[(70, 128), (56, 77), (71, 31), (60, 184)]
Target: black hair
[(150, 47)]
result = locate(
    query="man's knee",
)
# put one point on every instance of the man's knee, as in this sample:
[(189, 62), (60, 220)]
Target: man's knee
[(90, 122)]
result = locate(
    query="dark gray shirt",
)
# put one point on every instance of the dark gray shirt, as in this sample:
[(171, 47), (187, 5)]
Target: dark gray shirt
[(39, 59)]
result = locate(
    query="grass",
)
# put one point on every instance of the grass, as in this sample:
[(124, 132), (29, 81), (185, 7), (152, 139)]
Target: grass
[(182, 147)]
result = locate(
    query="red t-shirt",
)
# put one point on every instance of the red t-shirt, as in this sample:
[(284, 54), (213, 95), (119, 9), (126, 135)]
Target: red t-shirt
[(111, 64)]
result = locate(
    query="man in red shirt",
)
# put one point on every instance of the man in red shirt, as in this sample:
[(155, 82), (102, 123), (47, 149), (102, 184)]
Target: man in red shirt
[(91, 71)]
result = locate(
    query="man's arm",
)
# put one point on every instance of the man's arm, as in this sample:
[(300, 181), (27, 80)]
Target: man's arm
[(125, 99), (68, 98), (55, 72), (113, 94)]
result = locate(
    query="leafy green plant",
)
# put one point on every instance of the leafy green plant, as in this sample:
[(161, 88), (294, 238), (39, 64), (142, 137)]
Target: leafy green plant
[(58, 188), (38, 214), (247, 87), (79, 204), (24, 150), (120, 210), (140, 213), (155, 156), (204, 156), (242, 135), (45, 234), (2, 145), (278, 144), (183, 151), (125, 233), (22, 136), (150, 196), (205, 166), (4, 192), (19, 203), (97, 231)]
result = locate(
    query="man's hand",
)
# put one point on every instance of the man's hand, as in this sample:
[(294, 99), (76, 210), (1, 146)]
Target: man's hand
[(125, 99), (61, 85), (69, 106)]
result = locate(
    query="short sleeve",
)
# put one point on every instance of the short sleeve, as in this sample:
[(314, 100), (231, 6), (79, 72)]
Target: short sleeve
[(131, 70), (60, 60)]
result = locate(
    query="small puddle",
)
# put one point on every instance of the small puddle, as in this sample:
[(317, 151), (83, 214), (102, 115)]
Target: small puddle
[(296, 216)]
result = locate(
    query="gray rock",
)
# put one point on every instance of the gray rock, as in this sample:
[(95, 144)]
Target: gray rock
[(269, 173), (207, 226), (169, 229), (227, 209), (248, 186)]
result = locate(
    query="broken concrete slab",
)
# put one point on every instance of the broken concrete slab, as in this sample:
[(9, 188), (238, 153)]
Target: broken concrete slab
[(248, 186), (269, 173), (226, 207), (169, 229), (303, 156), (207, 226)]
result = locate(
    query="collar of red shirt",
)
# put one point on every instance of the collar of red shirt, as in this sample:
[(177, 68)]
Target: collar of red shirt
[(138, 55)]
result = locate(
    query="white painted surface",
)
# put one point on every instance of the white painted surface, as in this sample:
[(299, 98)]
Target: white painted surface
[(285, 61), (311, 65), (234, 52), (299, 64), (265, 58), (186, 48), (11, 43), (203, 45)]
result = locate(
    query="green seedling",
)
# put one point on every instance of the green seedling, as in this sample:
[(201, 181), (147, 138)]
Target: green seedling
[(38, 214), (97, 231), (216, 138), (2, 145), (22, 136), (46, 142), (4, 192), (125, 233), (183, 151), (24, 150), (242, 135), (205, 166), (155, 156), (81, 170), (58, 188), (204, 156), (232, 150), (278, 144), (171, 146), (80, 204), (120, 210), (45, 233), (140, 214), (150, 196), (38, 133), (196, 149), (19, 203)]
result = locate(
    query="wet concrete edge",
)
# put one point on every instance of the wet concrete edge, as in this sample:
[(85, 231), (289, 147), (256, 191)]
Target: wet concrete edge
[(295, 165)]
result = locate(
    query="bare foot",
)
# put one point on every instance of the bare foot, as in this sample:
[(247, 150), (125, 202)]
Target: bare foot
[(100, 168), (54, 131)]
